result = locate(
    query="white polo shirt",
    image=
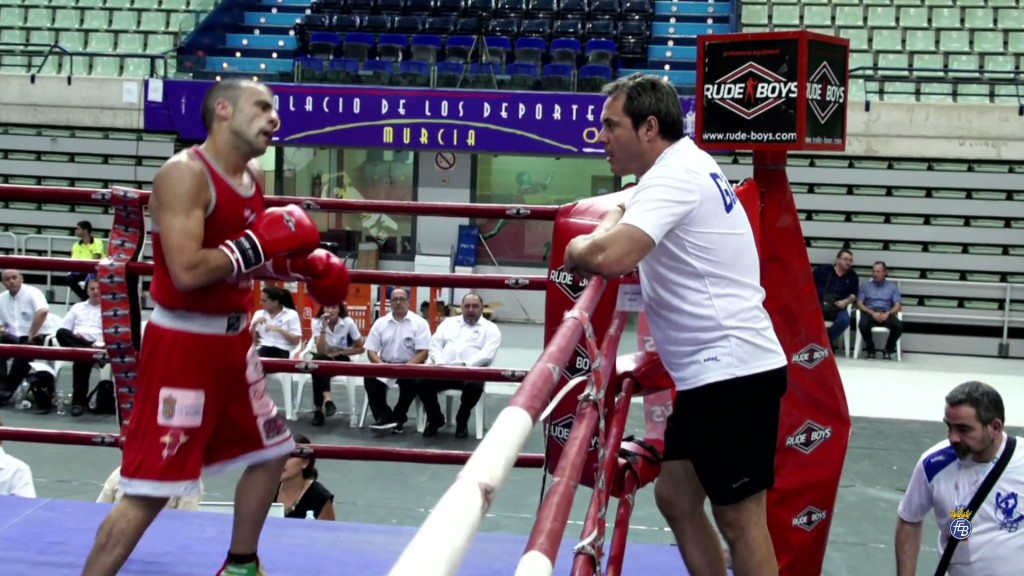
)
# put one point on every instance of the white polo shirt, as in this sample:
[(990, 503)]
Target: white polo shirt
[(15, 477), (701, 284), (85, 319), (344, 334), (455, 340), (16, 312), (398, 341), (941, 483), (287, 319)]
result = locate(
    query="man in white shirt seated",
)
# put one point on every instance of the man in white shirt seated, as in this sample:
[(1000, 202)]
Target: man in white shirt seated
[(83, 328), (399, 337), (947, 476), (15, 476), (467, 340), (23, 316)]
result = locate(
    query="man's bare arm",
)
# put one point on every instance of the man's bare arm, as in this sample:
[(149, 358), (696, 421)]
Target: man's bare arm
[(178, 207), (908, 546)]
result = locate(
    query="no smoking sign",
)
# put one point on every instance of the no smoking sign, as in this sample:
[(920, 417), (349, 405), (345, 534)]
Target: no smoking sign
[(444, 161)]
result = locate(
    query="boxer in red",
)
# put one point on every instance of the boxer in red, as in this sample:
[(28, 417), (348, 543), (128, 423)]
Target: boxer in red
[(202, 406)]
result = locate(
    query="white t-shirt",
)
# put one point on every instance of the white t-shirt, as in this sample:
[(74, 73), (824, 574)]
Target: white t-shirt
[(398, 341), (474, 345), (287, 319), (344, 334), (17, 312), (941, 483), (85, 319), (701, 283)]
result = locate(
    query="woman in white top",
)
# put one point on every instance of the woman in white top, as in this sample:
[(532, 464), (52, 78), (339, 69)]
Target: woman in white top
[(337, 338), (276, 330)]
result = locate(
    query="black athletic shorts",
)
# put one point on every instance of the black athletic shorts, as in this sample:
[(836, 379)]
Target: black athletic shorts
[(729, 431)]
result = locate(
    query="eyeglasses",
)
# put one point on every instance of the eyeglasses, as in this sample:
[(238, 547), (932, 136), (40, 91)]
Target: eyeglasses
[(399, 299)]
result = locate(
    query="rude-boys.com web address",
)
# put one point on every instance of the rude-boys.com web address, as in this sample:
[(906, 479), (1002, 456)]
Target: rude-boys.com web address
[(742, 136)]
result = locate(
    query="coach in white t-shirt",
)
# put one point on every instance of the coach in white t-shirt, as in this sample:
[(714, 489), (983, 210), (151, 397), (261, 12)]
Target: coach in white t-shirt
[(700, 279), (945, 479)]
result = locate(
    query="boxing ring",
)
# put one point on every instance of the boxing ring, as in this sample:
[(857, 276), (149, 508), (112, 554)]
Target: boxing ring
[(580, 391)]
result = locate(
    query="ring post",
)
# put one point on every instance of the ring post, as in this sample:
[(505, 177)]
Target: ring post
[(773, 93)]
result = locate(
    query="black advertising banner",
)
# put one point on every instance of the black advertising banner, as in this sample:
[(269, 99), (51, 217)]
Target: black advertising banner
[(826, 93), (750, 92)]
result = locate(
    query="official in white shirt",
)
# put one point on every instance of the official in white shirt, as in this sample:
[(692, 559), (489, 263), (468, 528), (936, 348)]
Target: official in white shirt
[(23, 315), (399, 337), (15, 476), (946, 478), (337, 338), (467, 340), (82, 328), (700, 279), (276, 329)]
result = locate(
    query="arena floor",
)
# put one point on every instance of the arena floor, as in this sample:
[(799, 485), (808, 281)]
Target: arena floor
[(897, 409)]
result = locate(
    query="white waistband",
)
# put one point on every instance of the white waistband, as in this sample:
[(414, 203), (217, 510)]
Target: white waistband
[(200, 323)]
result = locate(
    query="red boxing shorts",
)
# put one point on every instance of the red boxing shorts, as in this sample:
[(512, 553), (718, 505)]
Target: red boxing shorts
[(201, 408)]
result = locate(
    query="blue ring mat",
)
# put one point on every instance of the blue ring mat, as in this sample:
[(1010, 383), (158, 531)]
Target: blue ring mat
[(53, 537)]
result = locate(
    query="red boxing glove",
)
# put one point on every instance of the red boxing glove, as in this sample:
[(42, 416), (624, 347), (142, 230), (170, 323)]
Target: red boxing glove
[(277, 232), (325, 275)]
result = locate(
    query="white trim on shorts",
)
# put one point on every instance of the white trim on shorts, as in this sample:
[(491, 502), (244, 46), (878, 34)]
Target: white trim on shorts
[(200, 323), (161, 488)]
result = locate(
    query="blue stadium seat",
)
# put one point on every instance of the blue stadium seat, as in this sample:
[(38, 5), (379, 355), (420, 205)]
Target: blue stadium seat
[(308, 69), (600, 52), (357, 46), (541, 8), (425, 48), (323, 44), (565, 51), (498, 48), (407, 25), (377, 72), (531, 51), (342, 71), (523, 76), (448, 74), (391, 46), (457, 48), (557, 77), (503, 27), (412, 73), (605, 9), (537, 28), (592, 77), (440, 25), (572, 10), (510, 8)]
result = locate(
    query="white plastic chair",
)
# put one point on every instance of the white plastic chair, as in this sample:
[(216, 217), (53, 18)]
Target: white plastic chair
[(450, 397), (846, 333), (350, 383), (287, 381), (874, 332)]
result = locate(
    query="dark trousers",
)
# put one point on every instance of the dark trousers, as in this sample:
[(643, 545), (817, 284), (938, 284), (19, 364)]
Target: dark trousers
[(271, 352), (19, 366), (892, 323), (322, 384), (80, 371), (377, 397), (74, 279), (471, 393)]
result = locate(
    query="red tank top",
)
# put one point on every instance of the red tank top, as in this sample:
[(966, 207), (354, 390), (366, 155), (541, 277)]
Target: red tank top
[(232, 213)]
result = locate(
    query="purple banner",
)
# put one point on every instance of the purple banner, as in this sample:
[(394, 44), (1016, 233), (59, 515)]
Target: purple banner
[(492, 122)]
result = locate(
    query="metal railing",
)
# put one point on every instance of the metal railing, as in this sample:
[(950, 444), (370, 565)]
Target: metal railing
[(880, 75), (35, 50), (1008, 291)]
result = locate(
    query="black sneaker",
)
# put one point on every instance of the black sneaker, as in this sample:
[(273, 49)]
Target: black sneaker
[(330, 409), (398, 429), (432, 427), (886, 355), (461, 431), (77, 411), (318, 418), (384, 424), (871, 354)]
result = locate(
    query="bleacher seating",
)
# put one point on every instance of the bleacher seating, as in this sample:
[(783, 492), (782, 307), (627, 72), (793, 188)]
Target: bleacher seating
[(100, 29), (934, 42)]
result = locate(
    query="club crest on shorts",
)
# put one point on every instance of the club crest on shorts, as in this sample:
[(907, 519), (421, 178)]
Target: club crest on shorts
[(572, 284), (808, 437), (168, 406), (811, 356), (809, 518), (172, 442)]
